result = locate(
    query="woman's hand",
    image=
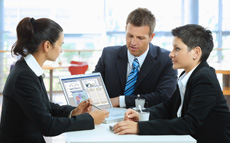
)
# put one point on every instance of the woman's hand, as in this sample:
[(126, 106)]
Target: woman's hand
[(126, 127), (131, 115), (83, 107), (99, 116)]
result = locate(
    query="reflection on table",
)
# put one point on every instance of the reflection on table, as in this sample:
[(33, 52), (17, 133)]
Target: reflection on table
[(101, 133)]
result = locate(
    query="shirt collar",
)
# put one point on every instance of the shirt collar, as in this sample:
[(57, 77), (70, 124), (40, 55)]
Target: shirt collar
[(33, 64), (184, 78), (140, 58)]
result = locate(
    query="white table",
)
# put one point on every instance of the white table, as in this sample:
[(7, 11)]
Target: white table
[(102, 134)]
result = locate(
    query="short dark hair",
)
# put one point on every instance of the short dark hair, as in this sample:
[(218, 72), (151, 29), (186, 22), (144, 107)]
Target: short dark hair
[(31, 33), (195, 35), (142, 17)]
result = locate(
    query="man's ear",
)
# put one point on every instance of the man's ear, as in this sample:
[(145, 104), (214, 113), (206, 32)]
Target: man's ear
[(151, 36), (46, 46)]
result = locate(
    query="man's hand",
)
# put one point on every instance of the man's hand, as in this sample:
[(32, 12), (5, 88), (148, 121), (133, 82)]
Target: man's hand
[(115, 101)]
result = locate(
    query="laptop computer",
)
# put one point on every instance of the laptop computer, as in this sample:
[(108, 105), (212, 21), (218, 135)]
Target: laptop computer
[(78, 88)]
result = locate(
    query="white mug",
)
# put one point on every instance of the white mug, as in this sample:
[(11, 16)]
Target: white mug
[(144, 116), (140, 102)]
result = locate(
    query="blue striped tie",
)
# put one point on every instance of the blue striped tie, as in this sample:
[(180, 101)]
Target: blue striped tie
[(132, 78)]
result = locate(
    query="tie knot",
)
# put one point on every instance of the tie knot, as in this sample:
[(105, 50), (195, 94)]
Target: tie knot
[(135, 63)]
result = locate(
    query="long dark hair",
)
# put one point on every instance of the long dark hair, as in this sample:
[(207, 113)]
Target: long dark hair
[(31, 33)]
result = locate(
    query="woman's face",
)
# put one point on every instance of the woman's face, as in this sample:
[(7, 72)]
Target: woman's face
[(181, 57), (56, 49)]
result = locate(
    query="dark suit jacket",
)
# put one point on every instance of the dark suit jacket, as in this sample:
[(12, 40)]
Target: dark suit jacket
[(205, 114), (156, 81), (27, 114)]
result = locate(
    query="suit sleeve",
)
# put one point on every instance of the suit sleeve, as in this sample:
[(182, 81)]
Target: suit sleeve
[(61, 111), (29, 98), (203, 98), (100, 67), (165, 110)]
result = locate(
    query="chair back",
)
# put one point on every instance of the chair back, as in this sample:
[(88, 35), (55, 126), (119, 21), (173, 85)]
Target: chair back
[(78, 67)]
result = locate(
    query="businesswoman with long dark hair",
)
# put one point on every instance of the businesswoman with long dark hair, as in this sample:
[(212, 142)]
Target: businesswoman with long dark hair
[(198, 107), (27, 114)]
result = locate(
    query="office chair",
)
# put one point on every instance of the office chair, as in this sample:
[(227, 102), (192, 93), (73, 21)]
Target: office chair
[(78, 67)]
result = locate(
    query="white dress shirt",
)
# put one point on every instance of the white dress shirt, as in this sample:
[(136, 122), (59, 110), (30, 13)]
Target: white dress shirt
[(129, 69), (182, 82), (33, 64)]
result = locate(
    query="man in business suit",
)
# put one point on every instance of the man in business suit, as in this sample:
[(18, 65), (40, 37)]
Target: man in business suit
[(198, 107), (155, 81)]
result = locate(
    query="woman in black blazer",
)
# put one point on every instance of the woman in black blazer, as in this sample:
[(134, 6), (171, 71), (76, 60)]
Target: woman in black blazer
[(27, 114), (198, 107)]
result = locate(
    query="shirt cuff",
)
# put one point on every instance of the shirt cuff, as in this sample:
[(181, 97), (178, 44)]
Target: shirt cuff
[(122, 101), (70, 114)]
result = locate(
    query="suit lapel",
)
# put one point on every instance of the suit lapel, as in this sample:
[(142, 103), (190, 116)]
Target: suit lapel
[(121, 66), (44, 94), (43, 87), (176, 102), (188, 86), (148, 64)]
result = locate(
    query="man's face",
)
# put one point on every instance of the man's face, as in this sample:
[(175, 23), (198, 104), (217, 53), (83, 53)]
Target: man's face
[(137, 39)]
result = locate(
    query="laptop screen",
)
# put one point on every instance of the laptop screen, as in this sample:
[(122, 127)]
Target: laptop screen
[(78, 88)]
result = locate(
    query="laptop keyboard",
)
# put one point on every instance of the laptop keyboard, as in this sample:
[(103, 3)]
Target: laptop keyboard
[(115, 115), (117, 111)]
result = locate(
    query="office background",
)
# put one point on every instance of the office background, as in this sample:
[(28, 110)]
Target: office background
[(94, 24)]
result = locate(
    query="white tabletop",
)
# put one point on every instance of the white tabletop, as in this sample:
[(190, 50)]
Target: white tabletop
[(101, 133)]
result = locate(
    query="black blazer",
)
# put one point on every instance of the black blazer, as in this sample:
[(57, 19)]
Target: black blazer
[(156, 81), (27, 114), (205, 114)]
